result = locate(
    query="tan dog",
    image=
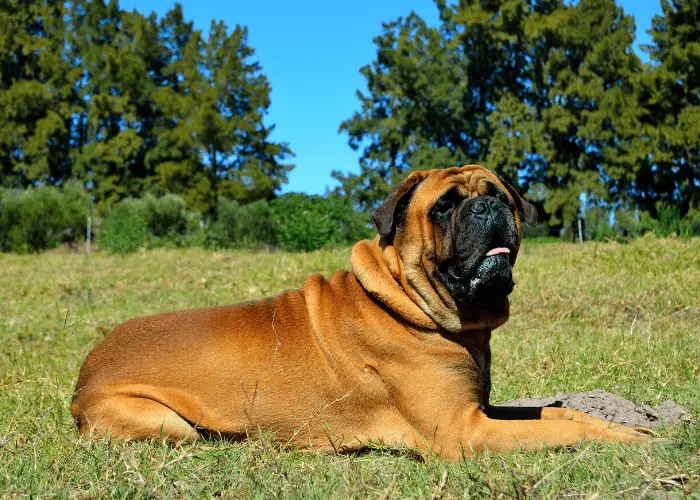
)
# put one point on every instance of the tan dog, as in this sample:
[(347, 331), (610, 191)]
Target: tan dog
[(395, 352)]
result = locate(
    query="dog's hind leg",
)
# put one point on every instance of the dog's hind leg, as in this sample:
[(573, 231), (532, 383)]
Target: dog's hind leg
[(132, 417)]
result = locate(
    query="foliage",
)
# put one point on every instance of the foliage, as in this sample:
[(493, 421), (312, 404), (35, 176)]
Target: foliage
[(294, 222), (148, 222), (548, 93), (165, 215), (243, 226), (42, 218), (131, 104), (669, 174), (306, 223), (618, 317), (124, 231), (626, 224)]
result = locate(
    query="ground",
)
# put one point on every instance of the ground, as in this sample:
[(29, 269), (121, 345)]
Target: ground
[(618, 317)]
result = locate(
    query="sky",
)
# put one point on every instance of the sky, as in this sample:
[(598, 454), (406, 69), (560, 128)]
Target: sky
[(311, 52)]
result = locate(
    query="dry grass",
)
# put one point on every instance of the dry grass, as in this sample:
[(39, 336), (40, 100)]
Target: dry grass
[(624, 318)]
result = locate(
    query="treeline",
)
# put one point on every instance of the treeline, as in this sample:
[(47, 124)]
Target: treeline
[(117, 109), (549, 93), (41, 218), (128, 104)]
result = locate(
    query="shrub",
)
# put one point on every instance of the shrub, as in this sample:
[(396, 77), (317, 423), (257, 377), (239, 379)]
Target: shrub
[(75, 208), (165, 216), (633, 224), (42, 218), (692, 222), (243, 226), (223, 232), (258, 225), (150, 222), (125, 228), (670, 222), (539, 230), (306, 223), (296, 222), (10, 221), (597, 225)]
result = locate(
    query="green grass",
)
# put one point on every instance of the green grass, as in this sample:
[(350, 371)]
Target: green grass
[(624, 318)]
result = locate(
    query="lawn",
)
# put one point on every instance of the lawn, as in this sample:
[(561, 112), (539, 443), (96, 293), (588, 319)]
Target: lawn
[(621, 317)]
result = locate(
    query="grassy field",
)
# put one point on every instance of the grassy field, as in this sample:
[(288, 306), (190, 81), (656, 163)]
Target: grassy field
[(624, 318)]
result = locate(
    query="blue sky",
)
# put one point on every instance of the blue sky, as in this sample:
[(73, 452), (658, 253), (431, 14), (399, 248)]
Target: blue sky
[(311, 52)]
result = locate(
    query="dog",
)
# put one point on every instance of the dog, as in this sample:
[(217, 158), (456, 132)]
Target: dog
[(394, 353)]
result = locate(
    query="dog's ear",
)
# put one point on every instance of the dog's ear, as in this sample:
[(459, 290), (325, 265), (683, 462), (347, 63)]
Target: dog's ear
[(385, 217), (528, 212)]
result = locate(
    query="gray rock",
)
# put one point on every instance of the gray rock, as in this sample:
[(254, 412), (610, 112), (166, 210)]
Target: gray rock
[(611, 407)]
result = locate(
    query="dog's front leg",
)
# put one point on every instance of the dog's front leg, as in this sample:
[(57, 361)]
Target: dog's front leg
[(556, 413), (478, 432)]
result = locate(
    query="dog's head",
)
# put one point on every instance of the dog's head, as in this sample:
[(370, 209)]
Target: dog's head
[(455, 234)]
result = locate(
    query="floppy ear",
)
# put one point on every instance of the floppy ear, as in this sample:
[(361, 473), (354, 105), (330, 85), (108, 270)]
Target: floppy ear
[(386, 215), (527, 210)]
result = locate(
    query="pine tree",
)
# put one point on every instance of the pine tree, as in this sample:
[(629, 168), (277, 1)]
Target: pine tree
[(35, 87), (670, 173), (175, 157), (539, 90), (130, 104), (212, 139), (590, 113), (439, 97)]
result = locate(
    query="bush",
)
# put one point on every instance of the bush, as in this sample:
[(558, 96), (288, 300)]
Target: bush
[(124, 231), (633, 224), (42, 218), (75, 208), (597, 225), (11, 237), (150, 222), (539, 230), (244, 226), (306, 223), (165, 216), (295, 222), (670, 222), (258, 224)]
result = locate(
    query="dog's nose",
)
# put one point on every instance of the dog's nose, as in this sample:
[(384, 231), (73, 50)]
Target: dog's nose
[(485, 205)]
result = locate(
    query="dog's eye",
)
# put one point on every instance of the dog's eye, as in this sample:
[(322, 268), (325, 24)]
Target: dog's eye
[(500, 196), (444, 206)]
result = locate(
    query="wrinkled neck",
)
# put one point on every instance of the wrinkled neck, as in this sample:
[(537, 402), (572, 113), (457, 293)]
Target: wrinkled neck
[(406, 290), (379, 272)]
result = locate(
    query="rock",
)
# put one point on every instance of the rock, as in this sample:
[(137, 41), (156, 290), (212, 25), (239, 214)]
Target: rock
[(611, 407)]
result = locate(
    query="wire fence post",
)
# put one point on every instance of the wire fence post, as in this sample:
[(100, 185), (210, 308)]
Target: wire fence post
[(580, 232), (89, 230)]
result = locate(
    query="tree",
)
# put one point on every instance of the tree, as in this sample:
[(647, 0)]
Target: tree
[(35, 87), (130, 104), (539, 90), (670, 95), (213, 141), (590, 115), (116, 128), (432, 93)]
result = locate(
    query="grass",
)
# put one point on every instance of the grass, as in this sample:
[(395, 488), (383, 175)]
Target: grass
[(619, 317)]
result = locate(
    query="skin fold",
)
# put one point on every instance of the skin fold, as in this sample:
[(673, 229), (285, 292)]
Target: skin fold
[(394, 352)]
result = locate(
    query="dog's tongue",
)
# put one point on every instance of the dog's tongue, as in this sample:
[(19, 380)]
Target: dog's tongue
[(497, 251)]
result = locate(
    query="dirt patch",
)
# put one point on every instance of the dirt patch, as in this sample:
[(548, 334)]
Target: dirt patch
[(612, 407)]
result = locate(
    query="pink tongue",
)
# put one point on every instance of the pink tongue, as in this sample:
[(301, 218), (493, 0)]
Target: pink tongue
[(497, 251)]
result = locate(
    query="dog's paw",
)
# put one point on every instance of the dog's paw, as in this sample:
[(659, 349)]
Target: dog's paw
[(645, 431)]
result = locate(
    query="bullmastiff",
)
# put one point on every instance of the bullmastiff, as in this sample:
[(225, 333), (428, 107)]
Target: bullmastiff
[(395, 352)]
